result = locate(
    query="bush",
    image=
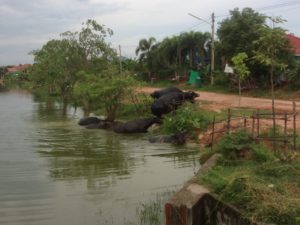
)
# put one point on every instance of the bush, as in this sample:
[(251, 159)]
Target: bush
[(186, 119), (293, 77), (222, 79), (232, 146), (261, 154)]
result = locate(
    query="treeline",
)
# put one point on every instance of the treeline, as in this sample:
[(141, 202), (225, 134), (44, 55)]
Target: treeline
[(173, 55), (82, 68), (266, 48)]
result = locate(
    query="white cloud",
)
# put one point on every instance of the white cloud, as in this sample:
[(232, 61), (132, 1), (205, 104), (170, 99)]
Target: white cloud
[(25, 24)]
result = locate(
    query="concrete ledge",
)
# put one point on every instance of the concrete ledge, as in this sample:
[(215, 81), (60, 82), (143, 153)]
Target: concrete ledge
[(195, 205)]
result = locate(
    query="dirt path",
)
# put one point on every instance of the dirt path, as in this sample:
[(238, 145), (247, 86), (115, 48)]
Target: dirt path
[(217, 102), (221, 101)]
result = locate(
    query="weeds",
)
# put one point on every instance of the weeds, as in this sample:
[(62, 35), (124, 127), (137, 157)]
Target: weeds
[(187, 118), (255, 180), (152, 213)]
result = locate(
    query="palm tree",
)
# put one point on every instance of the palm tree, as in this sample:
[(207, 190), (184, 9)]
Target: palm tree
[(193, 43), (145, 46), (143, 51)]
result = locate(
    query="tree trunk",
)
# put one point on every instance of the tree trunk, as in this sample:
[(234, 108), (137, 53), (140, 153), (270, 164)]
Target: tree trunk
[(240, 92), (111, 112), (191, 58), (273, 103), (65, 106), (86, 108)]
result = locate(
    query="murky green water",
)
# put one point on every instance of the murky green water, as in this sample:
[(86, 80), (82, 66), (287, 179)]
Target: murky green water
[(53, 171)]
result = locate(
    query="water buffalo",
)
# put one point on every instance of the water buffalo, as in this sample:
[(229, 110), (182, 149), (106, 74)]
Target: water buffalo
[(177, 139), (88, 121), (96, 123), (170, 102), (165, 91), (103, 124), (136, 126)]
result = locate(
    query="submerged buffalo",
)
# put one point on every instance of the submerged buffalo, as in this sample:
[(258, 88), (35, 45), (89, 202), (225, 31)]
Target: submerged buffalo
[(88, 121), (177, 139), (136, 126), (96, 123), (103, 124), (171, 101), (165, 91)]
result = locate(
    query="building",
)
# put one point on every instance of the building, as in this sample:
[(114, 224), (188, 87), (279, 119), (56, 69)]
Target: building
[(16, 70), (295, 43)]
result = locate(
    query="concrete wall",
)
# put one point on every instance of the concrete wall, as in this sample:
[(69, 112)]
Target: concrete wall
[(195, 205)]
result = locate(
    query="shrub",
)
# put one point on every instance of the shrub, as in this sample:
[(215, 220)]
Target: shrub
[(186, 119), (261, 154), (233, 145)]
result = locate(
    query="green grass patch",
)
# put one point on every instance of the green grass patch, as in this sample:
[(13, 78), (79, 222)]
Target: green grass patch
[(186, 119), (251, 177)]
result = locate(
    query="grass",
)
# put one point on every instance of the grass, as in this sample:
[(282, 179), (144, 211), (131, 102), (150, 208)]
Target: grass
[(152, 211), (255, 180)]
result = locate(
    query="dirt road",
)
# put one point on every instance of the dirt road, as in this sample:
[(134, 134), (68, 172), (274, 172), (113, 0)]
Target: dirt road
[(223, 101), (217, 102)]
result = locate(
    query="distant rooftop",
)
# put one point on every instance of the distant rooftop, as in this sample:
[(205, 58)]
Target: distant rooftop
[(295, 42), (18, 68)]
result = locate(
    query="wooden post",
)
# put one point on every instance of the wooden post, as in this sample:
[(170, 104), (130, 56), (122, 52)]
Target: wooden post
[(213, 132), (257, 117), (294, 125), (228, 121), (245, 122), (253, 123), (285, 130)]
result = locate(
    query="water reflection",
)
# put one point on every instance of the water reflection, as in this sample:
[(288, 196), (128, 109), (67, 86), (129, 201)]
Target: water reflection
[(77, 153), (56, 172)]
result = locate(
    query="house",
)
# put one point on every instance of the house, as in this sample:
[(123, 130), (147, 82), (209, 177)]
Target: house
[(16, 70), (295, 43)]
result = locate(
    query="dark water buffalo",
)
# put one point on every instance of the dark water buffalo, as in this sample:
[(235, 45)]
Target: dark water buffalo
[(96, 123), (165, 91), (177, 139), (103, 124), (171, 101), (88, 121), (136, 126)]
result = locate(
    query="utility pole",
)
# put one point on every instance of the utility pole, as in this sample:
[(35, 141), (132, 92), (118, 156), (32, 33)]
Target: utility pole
[(212, 61), (120, 59), (212, 68)]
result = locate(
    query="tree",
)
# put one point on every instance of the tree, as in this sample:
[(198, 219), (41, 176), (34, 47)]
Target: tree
[(272, 49), (58, 62), (91, 44), (106, 89), (241, 69), (173, 54), (55, 68), (237, 33), (193, 44), (143, 51), (144, 47)]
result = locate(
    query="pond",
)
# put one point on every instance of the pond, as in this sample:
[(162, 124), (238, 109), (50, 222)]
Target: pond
[(53, 171)]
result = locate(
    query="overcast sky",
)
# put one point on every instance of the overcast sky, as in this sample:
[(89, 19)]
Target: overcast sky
[(27, 25)]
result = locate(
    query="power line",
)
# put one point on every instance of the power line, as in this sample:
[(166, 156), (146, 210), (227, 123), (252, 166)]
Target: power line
[(270, 7), (265, 8), (280, 5)]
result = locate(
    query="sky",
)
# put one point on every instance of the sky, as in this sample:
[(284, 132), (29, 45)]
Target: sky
[(28, 25)]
